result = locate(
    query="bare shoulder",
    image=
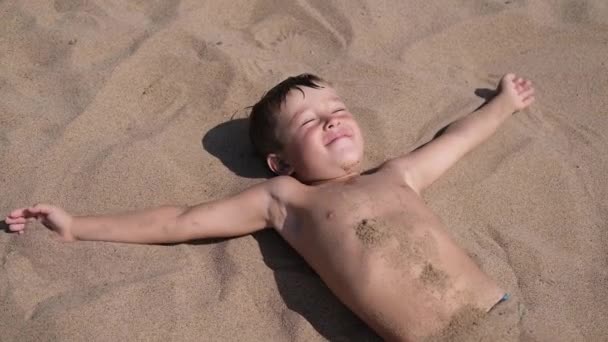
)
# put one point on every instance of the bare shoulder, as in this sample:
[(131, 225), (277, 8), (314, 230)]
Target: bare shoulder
[(283, 187), (397, 170), (284, 192)]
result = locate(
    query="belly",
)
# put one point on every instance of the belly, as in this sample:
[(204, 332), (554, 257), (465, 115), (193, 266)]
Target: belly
[(387, 279), (360, 247), (399, 276)]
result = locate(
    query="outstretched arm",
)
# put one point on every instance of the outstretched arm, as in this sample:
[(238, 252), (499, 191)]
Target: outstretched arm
[(423, 166), (240, 214)]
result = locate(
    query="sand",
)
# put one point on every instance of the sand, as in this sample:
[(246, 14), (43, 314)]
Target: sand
[(109, 106)]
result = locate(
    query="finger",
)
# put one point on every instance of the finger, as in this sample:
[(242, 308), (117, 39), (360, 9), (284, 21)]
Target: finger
[(25, 212), (9, 220), (17, 212), (16, 227), (526, 84), (528, 100), (43, 208), (527, 93), (35, 210)]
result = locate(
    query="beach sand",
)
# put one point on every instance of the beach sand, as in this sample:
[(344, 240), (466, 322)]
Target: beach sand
[(109, 106)]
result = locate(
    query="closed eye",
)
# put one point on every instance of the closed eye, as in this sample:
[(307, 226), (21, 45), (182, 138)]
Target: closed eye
[(307, 121), (337, 110)]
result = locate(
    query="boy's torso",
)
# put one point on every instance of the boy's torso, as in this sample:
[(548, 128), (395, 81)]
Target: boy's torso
[(384, 253)]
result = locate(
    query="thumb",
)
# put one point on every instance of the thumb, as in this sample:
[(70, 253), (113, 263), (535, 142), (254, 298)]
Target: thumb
[(507, 80), (510, 77), (41, 208)]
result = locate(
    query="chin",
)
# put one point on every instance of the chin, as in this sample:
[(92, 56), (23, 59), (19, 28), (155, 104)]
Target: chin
[(350, 162), (350, 166)]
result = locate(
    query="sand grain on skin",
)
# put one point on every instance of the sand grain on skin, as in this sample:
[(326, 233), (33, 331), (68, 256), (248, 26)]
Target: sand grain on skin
[(371, 233)]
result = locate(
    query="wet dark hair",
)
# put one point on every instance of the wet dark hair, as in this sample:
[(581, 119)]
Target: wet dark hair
[(263, 117)]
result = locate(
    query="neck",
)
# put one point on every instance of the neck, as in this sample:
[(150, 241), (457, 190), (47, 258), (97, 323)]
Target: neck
[(339, 179), (347, 172)]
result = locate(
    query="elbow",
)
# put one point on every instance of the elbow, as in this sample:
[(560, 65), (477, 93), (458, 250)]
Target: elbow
[(186, 226), (172, 227), (178, 214), (180, 210)]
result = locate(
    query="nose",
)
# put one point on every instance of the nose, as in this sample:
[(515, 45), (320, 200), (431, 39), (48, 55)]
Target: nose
[(332, 122)]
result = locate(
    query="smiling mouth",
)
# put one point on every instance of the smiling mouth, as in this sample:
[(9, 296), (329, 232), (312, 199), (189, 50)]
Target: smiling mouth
[(339, 135), (337, 138)]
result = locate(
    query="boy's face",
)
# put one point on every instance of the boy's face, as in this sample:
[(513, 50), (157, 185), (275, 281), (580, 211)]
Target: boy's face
[(322, 140)]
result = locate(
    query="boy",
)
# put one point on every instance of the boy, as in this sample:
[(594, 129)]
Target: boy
[(370, 237)]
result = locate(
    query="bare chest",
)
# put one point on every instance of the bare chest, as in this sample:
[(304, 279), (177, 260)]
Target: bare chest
[(345, 226)]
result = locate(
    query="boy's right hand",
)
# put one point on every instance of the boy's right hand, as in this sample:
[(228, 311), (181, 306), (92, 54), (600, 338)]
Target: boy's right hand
[(516, 92), (50, 216)]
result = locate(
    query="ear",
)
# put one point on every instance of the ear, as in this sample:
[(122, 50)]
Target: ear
[(278, 165)]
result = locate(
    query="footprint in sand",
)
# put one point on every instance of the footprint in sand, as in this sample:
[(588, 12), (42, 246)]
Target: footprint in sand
[(575, 11), (311, 32), (180, 85)]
